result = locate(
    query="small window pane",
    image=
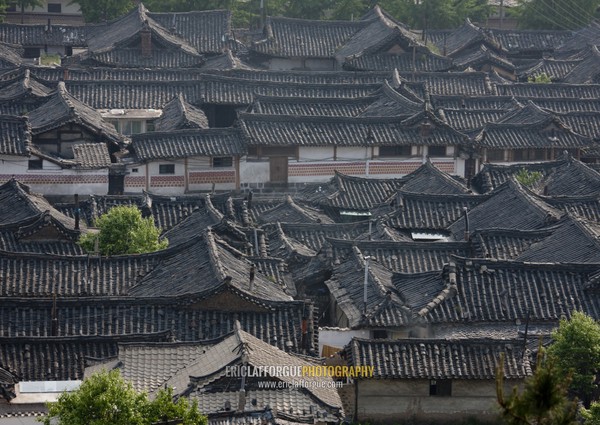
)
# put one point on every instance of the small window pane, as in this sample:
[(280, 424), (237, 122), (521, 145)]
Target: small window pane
[(35, 164), (437, 150), (54, 8), (222, 161), (166, 169), (395, 150)]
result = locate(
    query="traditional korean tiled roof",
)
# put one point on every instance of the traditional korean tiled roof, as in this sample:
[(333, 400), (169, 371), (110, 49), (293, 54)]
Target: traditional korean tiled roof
[(563, 177), (529, 113), (352, 193), (91, 155), (553, 68), (62, 108), (508, 290), (41, 35), (498, 211), (584, 206), (523, 41), (470, 120), (475, 359), (291, 212), (584, 123), (225, 62), (287, 37), (23, 86), (205, 256), (506, 244), (392, 103), (133, 57), (191, 368), (187, 143), (277, 105), (424, 61), (17, 203), (565, 244), (453, 83), (399, 257), (479, 55), (346, 286), (473, 102), (378, 36), (15, 135), (273, 130), (429, 212), (554, 90), (60, 358), (110, 94), (193, 225), (209, 32), (429, 179), (583, 37), (42, 234), (313, 77), (10, 55), (518, 133), (124, 30), (464, 37), (586, 71), (179, 114)]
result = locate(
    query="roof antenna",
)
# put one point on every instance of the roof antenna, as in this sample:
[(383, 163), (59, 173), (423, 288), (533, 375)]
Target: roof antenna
[(467, 233), (367, 258)]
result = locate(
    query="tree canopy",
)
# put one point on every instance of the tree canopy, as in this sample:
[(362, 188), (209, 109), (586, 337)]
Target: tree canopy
[(576, 351), (123, 230), (556, 14), (543, 400), (106, 399)]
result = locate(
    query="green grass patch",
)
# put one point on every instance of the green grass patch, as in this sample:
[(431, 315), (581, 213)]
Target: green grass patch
[(50, 60)]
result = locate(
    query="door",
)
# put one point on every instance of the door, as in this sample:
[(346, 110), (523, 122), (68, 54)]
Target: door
[(279, 169)]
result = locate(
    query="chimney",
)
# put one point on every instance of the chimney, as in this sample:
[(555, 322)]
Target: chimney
[(252, 272), (242, 401), (467, 233), (54, 329), (425, 129), (76, 196), (250, 200), (366, 281), (65, 74), (146, 37)]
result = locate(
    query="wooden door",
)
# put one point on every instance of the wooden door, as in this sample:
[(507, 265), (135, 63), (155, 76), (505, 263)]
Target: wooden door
[(279, 169)]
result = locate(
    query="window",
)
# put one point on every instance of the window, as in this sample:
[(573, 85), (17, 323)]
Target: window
[(528, 154), (222, 161), (495, 155), (131, 127), (395, 150), (35, 164), (54, 8), (166, 169), (31, 52), (68, 50), (437, 150), (150, 125), (134, 170), (380, 334), (440, 387)]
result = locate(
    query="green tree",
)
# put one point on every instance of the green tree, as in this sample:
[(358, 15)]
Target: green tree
[(106, 399), (28, 4), (543, 400), (591, 416), (122, 230), (103, 10), (555, 14), (576, 351), (528, 178), (542, 78)]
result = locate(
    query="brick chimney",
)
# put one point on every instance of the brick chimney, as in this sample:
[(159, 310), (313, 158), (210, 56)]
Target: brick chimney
[(146, 37)]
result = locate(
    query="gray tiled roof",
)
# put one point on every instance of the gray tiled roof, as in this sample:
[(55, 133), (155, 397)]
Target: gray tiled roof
[(62, 108), (346, 286), (554, 90), (17, 203), (507, 290), (39, 35), (15, 135), (498, 211), (516, 41), (292, 212), (563, 177), (187, 143), (287, 37), (179, 114), (23, 86), (405, 62), (91, 155), (277, 105), (273, 130), (440, 358), (453, 83)]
